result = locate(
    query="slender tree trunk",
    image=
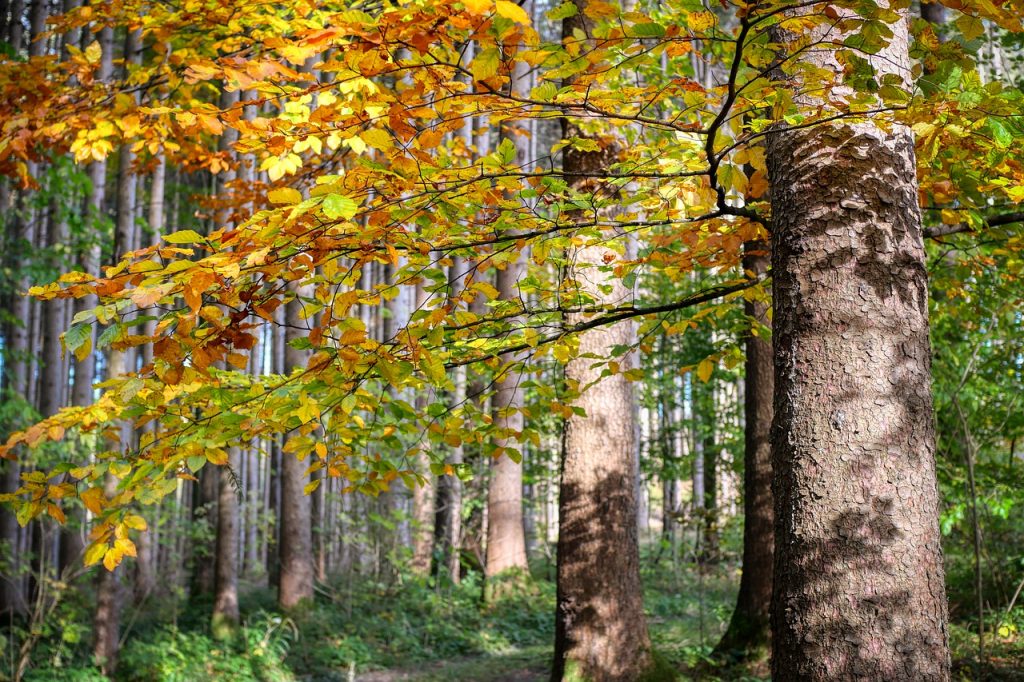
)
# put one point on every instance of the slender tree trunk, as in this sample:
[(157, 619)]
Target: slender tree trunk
[(749, 632), (506, 537), (225, 604), (422, 495), (295, 582), (600, 630), (106, 624), (709, 553), (859, 590)]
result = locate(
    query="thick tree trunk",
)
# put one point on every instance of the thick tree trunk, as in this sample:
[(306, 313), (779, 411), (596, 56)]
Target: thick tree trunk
[(295, 581), (600, 630), (859, 588), (748, 632)]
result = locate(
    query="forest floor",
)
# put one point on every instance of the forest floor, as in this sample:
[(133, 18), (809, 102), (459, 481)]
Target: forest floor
[(428, 631)]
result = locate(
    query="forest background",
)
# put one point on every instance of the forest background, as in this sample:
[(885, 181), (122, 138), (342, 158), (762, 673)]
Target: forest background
[(366, 335)]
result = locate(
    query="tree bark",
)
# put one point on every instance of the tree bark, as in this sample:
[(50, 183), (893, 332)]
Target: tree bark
[(600, 630), (422, 495), (295, 580), (506, 537), (749, 632), (859, 590), (225, 604), (709, 553)]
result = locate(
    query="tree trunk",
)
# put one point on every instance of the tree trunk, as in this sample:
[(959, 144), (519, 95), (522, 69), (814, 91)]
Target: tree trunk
[(225, 604), (295, 581), (710, 512), (204, 509), (859, 590), (600, 630), (748, 632), (506, 537), (422, 495)]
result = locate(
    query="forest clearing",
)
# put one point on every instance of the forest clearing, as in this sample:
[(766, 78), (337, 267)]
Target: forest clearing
[(508, 340)]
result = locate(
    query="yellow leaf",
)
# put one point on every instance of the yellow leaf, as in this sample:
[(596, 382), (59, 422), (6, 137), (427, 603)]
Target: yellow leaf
[(93, 52), (135, 521), (112, 558), (55, 512), (705, 368), (95, 553), (284, 195), (125, 546), (216, 456), (478, 6), (321, 450), (311, 486), (377, 138), (93, 500), (511, 10)]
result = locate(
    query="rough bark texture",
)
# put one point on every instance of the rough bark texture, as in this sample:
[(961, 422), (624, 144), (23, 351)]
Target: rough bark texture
[(506, 539), (225, 604), (422, 495), (600, 631), (858, 569), (204, 507), (709, 547), (106, 625), (748, 630), (295, 581)]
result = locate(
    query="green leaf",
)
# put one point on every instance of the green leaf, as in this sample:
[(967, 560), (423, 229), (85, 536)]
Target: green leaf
[(545, 92), (485, 64), (563, 11), (78, 340), (338, 207), (649, 30), (507, 151)]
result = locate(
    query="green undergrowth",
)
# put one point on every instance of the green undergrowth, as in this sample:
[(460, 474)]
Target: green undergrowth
[(417, 629)]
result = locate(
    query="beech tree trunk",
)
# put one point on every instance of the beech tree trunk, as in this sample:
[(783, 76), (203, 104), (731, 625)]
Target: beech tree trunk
[(422, 495), (859, 590), (506, 537), (709, 553), (225, 604), (748, 632), (600, 630), (295, 578)]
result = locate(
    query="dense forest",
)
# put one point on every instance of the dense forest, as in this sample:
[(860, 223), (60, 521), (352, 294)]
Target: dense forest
[(604, 340)]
